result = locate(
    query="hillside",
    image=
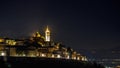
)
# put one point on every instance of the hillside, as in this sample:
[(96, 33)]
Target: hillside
[(25, 62)]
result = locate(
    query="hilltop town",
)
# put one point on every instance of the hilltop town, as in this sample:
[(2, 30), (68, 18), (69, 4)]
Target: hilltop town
[(38, 46)]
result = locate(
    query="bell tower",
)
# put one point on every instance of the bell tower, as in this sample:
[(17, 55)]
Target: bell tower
[(47, 35)]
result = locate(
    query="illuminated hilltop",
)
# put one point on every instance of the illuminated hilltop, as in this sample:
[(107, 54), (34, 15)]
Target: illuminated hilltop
[(37, 46)]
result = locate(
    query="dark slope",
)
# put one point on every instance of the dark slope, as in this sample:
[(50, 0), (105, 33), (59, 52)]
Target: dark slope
[(25, 62)]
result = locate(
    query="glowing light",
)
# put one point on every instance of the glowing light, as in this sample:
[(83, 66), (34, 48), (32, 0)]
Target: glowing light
[(84, 58), (11, 42), (78, 58), (53, 56), (68, 57), (58, 56), (23, 55), (74, 58), (2, 54), (1, 40), (43, 55)]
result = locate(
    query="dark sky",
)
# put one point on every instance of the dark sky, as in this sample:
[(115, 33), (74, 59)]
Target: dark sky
[(80, 24)]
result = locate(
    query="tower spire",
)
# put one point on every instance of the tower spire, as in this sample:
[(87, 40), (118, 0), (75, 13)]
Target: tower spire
[(47, 29)]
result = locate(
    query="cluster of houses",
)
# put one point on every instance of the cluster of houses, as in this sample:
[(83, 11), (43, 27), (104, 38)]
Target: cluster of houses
[(37, 46)]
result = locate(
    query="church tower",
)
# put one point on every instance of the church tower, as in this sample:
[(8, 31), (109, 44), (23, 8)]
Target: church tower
[(47, 35)]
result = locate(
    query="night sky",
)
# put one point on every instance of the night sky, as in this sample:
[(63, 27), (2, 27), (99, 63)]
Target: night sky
[(80, 24)]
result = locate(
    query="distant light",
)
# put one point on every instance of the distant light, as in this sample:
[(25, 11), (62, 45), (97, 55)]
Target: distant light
[(86, 59), (108, 67), (83, 58), (1, 40), (53, 56), (23, 54), (74, 58), (78, 58), (2, 54), (43, 55), (11, 42), (68, 57), (58, 56)]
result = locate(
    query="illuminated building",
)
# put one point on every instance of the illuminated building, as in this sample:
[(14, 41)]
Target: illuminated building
[(37, 46), (1, 40), (47, 34)]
